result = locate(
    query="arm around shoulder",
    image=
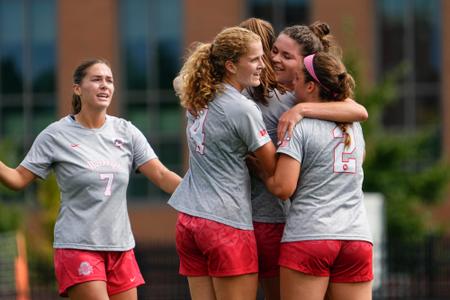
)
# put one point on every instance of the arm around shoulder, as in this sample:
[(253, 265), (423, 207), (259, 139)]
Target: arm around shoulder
[(359, 111), (339, 111), (346, 111)]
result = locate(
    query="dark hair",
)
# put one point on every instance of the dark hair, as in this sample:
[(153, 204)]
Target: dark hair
[(268, 78), (313, 38), (78, 75), (333, 81)]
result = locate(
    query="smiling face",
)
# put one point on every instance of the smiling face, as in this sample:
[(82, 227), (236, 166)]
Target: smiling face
[(96, 88), (286, 57), (247, 71)]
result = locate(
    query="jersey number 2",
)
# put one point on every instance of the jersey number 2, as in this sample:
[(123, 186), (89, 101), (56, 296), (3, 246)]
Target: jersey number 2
[(197, 132), (109, 177), (343, 161)]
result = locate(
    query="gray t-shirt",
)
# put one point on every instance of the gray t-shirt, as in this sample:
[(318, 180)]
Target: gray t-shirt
[(217, 184), (92, 167), (328, 202), (268, 208)]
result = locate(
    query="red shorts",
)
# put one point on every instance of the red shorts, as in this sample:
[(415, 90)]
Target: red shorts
[(342, 261), (118, 268), (268, 238), (209, 248)]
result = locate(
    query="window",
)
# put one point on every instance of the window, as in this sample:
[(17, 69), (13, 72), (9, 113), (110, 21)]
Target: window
[(151, 55), (27, 68), (280, 13), (409, 33), (27, 73)]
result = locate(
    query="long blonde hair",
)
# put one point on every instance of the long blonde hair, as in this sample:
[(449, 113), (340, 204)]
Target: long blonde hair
[(268, 78), (203, 72)]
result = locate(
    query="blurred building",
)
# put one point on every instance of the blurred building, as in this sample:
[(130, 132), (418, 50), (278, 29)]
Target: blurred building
[(42, 41)]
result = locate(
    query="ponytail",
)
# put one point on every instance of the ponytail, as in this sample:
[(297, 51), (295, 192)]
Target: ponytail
[(347, 137), (76, 104), (199, 79)]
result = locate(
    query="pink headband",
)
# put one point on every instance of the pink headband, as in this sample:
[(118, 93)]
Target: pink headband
[(308, 61)]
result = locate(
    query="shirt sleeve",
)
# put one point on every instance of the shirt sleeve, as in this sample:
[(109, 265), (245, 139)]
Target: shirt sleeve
[(39, 158), (142, 151), (250, 127), (294, 146)]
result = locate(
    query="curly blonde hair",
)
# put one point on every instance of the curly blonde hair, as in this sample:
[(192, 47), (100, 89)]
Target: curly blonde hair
[(203, 72)]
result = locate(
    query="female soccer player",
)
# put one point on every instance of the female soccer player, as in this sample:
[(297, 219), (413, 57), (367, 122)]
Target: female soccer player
[(92, 154), (290, 47), (326, 242), (275, 96), (215, 239)]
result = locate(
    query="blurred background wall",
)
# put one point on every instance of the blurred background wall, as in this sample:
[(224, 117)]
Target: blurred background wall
[(42, 41)]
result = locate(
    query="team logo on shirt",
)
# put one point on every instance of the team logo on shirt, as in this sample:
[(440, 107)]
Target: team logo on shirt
[(263, 132), (85, 269), (118, 142), (100, 164), (284, 142)]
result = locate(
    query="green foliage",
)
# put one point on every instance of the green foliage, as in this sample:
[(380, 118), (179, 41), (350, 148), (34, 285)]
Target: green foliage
[(8, 155), (11, 217), (48, 196), (40, 236), (406, 167), (40, 247)]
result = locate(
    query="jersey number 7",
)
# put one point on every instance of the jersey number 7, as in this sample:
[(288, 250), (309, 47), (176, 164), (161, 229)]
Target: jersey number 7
[(109, 177)]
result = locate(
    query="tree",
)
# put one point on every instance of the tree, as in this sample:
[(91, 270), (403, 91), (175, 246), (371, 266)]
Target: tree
[(406, 168), (40, 245)]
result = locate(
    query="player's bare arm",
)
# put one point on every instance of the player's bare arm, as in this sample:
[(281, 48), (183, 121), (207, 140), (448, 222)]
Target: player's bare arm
[(338, 111), (285, 179), (266, 158), (157, 173), (15, 179)]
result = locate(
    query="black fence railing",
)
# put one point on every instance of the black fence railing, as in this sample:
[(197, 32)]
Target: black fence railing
[(410, 271), (8, 253), (159, 266), (416, 270)]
